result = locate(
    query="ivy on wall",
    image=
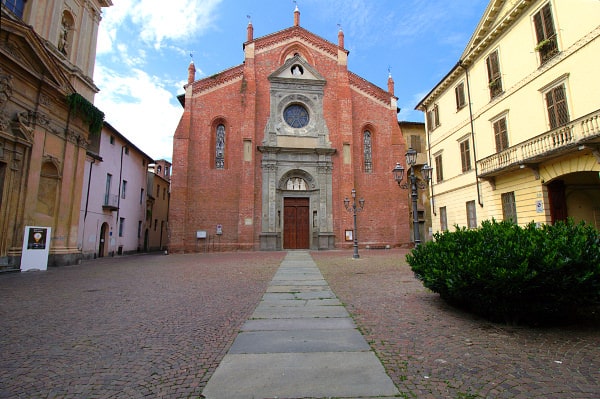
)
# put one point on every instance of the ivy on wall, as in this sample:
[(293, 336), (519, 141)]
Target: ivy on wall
[(90, 114)]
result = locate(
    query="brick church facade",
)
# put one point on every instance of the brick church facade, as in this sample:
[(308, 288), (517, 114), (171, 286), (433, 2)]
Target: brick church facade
[(266, 152)]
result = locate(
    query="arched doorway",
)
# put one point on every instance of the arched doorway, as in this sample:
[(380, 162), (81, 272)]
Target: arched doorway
[(575, 195), (102, 247)]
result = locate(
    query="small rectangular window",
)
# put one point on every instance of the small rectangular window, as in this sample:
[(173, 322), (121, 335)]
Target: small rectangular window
[(121, 226), (415, 142), (139, 228), (501, 134), (443, 219), (157, 191), (123, 189), (465, 155), (459, 93), (126, 150), (509, 206), (439, 170), (433, 118), (471, 215), (141, 196)]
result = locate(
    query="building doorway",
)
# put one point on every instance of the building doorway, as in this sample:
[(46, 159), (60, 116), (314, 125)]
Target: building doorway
[(102, 245), (296, 223)]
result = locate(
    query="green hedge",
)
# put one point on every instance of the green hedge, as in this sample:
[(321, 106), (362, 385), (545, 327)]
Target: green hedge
[(514, 274)]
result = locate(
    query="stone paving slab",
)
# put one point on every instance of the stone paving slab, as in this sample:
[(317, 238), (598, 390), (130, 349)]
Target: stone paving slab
[(299, 341), (300, 375), (334, 323)]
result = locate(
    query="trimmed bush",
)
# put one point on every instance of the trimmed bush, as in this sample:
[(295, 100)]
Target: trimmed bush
[(514, 274)]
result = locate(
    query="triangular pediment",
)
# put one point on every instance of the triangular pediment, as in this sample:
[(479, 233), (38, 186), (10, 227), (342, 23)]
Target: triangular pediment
[(297, 69), (498, 15), (19, 43)]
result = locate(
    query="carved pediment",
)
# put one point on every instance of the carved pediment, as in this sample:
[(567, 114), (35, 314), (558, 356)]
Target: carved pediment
[(297, 70), (19, 43)]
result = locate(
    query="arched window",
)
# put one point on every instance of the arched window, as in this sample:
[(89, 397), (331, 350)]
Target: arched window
[(220, 147), (368, 151), (47, 189)]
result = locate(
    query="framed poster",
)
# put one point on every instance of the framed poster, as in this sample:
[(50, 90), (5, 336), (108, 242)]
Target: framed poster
[(36, 247), (349, 235)]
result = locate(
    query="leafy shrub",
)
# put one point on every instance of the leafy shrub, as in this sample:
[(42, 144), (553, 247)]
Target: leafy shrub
[(514, 274)]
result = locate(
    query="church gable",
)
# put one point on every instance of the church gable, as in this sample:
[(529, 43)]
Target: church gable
[(296, 34)]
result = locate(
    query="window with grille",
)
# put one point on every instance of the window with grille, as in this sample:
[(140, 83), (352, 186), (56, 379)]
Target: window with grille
[(494, 76), (220, 147), (443, 219), (465, 155), (501, 134), (471, 215), (439, 170), (547, 43), (556, 102), (459, 93), (509, 206), (433, 118), (368, 151)]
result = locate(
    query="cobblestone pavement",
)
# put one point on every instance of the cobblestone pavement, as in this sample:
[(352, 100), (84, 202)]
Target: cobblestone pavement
[(156, 326), (431, 350), (149, 326)]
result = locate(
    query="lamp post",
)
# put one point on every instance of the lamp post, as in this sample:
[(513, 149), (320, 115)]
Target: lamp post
[(415, 184), (354, 209)]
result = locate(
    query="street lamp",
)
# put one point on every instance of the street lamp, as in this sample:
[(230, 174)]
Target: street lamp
[(354, 209), (398, 171)]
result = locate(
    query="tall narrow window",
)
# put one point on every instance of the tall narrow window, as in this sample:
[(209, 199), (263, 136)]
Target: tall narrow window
[(471, 215), (459, 93), (558, 112), (501, 134), (368, 151), (123, 189), (220, 147), (439, 170), (443, 219), (465, 155), (139, 228), (121, 226), (141, 196), (494, 76), (509, 206), (107, 199), (547, 43)]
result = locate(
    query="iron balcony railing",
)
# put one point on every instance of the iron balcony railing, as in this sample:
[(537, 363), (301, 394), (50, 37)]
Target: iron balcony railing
[(574, 133), (111, 201)]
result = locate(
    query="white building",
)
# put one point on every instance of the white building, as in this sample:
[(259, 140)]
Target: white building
[(113, 206)]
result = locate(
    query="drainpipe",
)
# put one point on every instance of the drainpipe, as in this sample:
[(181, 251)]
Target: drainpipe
[(460, 63)]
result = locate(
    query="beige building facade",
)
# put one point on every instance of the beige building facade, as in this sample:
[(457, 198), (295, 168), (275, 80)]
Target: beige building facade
[(46, 119), (514, 128), (157, 211)]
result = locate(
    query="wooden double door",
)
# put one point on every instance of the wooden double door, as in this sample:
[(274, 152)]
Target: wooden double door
[(296, 223)]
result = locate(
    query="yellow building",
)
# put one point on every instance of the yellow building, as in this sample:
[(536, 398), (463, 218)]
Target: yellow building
[(514, 128), (47, 56), (157, 205)]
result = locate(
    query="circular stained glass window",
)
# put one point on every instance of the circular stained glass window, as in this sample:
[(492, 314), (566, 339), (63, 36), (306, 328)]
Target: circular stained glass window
[(296, 116)]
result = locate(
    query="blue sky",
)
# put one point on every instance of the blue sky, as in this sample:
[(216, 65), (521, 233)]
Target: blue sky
[(144, 50)]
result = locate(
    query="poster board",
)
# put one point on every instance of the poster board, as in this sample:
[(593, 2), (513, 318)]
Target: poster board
[(36, 247)]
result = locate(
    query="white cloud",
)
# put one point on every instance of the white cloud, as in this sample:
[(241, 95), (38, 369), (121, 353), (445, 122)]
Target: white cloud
[(140, 108)]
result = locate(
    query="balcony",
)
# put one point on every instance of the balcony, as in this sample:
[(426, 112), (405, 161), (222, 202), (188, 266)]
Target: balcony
[(111, 202), (567, 138)]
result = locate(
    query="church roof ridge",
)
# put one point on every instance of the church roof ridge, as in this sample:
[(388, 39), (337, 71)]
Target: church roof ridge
[(218, 78), (295, 31), (369, 87)]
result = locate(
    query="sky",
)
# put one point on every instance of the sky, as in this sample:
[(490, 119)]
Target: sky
[(144, 50)]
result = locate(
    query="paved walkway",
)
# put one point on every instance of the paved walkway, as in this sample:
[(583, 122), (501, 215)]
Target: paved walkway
[(300, 342)]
